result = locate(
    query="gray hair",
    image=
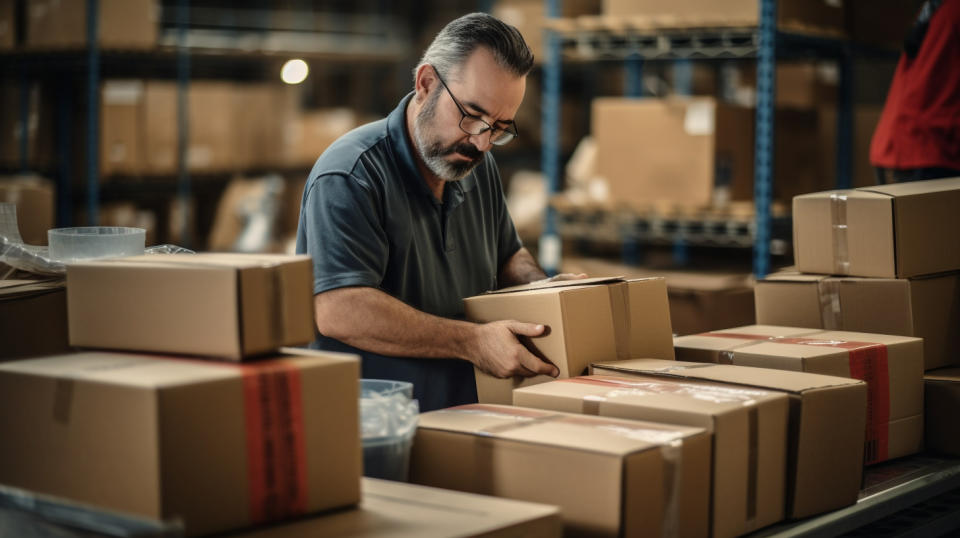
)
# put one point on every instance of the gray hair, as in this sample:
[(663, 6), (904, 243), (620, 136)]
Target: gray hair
[(459, 38)]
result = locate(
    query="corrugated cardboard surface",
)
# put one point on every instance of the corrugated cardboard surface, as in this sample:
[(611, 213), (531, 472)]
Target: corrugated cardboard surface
[(891, 230), (610, 477), (942, 400), (33, 318), (699, 301), (587, 320), (817, 16), (165, 438), (749, 429), (670, 150), (397, 510), (825, 439), (925, 307), (56, 24), (220, 305), (902, 391)]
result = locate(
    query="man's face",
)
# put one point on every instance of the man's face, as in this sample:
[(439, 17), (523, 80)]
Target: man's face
[(483, 89)]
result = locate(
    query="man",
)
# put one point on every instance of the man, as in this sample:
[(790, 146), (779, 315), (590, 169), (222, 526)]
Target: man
[(918, 135), (404, 217)]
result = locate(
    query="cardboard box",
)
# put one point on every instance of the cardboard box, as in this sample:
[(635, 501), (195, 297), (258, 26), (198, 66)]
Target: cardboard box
[(227, 306), (218, 445), (587, 320), (62, 24), (394, 509), (8, 24), (892, 366), (941, 403), (748, 429), (821, 17), (529, 16), (699, 301), (925, 307), (35, 200), (889, 231), (826, 421), (311, 133), (122, 140), (160, 128), (609, 477), (673, 150), (33, 318), (213, 126)]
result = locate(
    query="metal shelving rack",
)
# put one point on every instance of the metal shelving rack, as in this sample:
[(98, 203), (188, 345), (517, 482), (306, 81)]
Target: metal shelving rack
[(765, 43), (181, 53)]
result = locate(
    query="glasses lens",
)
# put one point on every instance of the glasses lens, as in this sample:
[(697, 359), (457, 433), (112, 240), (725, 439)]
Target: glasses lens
[(501, 138), (473, 126)]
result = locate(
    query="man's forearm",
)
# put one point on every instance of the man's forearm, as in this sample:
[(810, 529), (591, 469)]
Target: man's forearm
[(521, 268), (372, 320)]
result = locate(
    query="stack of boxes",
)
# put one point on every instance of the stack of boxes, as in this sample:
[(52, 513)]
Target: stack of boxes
[(883, 259), (186, 409), (647, 445)]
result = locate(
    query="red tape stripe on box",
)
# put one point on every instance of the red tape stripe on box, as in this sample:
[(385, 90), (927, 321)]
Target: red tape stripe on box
[(868, 362), (276, 452)]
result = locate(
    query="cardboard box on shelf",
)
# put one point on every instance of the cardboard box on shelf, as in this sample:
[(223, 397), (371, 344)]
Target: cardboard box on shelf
[(748, 428), (926, 307), (892, 366), (673, 150), (528, 16), (699, 301), (311, 134), (820, 17), (227, 306), (8, 24), (218, 445), (825, 431), (890, 231), (33, 318), (159, 130), (213, 126), (263, 111), (941, 401), (62, 24), (610, 477), (394, 509), (121, 137), (587, 320), (35, 200)]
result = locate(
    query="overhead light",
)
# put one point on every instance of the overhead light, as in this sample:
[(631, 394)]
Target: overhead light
[(294, 71)]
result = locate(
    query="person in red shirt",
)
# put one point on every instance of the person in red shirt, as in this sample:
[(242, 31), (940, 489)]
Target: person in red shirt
[(918, 135)]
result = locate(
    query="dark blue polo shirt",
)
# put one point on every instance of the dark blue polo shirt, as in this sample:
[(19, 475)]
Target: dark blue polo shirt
[(368, 219)]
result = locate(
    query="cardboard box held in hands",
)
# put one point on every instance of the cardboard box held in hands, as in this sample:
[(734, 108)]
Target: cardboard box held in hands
[(892, 366), (748, 429), (589, 320), (218, 445), (825, 429), (610, 477)]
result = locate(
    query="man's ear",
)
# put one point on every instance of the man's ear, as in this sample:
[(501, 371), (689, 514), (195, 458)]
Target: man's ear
[(425, 82)]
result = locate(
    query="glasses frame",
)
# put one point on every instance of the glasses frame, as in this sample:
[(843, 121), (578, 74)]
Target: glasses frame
[(511, 130)]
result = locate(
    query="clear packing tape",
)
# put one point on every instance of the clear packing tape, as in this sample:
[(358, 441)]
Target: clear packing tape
[(36, 259), (838, 222)]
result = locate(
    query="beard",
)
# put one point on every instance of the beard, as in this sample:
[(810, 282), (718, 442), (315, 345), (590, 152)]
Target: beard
[(434, 153)]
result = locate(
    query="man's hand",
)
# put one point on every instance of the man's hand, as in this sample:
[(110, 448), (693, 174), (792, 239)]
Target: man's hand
[(498, 352)]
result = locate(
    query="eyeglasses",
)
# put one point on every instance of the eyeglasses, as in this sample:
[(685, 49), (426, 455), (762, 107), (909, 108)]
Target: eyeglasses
[(474, 125)]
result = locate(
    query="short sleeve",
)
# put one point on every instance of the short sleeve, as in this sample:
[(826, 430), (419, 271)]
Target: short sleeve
[(343, 233)]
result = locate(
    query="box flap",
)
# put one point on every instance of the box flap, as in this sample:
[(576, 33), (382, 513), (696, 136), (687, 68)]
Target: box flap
[(795, 382), (595, 434), (545, 284), (944, 374), (15, 289), (912, 188), (793, 277)]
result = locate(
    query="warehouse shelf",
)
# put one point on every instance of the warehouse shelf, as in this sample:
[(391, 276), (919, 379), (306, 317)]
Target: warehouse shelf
[(635, 41)]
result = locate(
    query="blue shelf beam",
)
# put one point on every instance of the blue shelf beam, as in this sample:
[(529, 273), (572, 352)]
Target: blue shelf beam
[(550, 150), (93, 114), (634, 76), (763, 154)]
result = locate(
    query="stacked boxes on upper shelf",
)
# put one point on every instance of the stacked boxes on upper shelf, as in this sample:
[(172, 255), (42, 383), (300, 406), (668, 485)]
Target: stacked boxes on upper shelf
[(882, 259)]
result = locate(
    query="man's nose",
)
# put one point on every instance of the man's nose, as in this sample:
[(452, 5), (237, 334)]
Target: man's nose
[(481, 141)]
